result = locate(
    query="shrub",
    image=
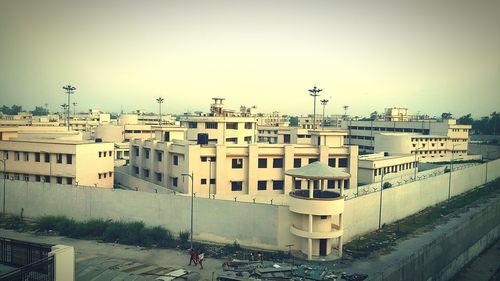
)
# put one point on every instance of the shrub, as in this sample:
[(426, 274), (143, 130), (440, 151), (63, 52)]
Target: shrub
[(60, 224), (112, 232), (184, 238), (132, 233), (158, 236), (387, 185)]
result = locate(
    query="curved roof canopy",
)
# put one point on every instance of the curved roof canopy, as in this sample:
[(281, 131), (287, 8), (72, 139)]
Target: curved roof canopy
[(318, 170)]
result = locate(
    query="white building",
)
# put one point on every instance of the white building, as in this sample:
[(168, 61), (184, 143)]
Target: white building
[(372, 166)]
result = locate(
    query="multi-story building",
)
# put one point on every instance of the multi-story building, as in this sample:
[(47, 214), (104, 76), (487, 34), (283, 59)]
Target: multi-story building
[(274, 119), (255, 169), (363, 133), (73, 162), (221, 126), (27, 119), (372, 166)]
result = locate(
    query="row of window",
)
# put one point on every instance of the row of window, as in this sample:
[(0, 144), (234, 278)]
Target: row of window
[(458, 130), (423, 145), (361, 137), (428, 139), (395, 168), (38, 156), (38, 178), (237, 163), (105, 153), (105, 175), (215, 125), (390, 129)]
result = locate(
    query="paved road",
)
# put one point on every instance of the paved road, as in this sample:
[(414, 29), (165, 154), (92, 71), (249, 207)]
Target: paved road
[(123, 262)]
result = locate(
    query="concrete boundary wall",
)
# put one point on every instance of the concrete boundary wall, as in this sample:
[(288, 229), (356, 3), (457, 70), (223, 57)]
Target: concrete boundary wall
[(362, 213), (446, 255), (254, 225)]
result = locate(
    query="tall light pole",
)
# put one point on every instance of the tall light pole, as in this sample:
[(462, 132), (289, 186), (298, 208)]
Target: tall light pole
[(4, 169), (346, 107), (74, 109), (160, 101), (324, 102), (451, 170), (69, 90), (192, 203), (381, 192), (416, 165), (65, 108), (314, 92)]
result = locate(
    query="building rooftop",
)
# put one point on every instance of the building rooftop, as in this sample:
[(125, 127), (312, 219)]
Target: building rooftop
[(318, 170), (55, 141)]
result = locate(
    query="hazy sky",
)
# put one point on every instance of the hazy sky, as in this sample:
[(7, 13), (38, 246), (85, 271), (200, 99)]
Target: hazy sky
[(430, 56)]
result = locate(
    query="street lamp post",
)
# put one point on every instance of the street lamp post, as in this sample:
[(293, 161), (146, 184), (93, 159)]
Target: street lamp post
[(451, 169), (74, 109), (416, 165), (4, 170), (324, 102), (160, 101), (381, 192), (69, 90), (192, 204), (314, 92)]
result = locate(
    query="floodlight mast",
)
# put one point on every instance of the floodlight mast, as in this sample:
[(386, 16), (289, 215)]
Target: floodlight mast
[(314, 92)]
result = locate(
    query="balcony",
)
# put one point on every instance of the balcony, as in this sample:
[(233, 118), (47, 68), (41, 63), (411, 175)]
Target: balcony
[(323, 203), (335, 233)]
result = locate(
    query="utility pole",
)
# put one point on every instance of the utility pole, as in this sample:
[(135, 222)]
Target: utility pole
[(346, 107), (74, 109), (69, 90), (160, 101), (314, 92), (3, 206), (324, 102), (192, 203)]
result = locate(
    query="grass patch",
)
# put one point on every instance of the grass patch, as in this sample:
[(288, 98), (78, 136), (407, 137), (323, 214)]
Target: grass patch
[(384, 240)]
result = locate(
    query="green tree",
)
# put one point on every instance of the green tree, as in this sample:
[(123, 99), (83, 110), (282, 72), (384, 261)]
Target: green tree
[(40, 111), (294, 121), (446, 115), (465, 120)]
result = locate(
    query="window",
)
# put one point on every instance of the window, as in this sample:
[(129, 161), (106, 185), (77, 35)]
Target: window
[(203, 181), (297, 184), (110, 153), (346, 184), (297, 163), (37, 178), (5, 155), (100, 153), (69, 180), (236, 186), (174, 181), (212, 181), (59, 180), (26, 177), (46, 179), (105, 153), (37, 157), (343, 162), (136, 170), (278, 185), (248, 139), (17, 155), (59, 158), (110, 174), (262, 162), (146, 153), (323, 217), (192, 125), (158, 176), (332, 162), (286, 138), (47, 157), (261, 185), (69, 159), (159, 156), (312, 160), (166, 136), (100, 175), (136, 151), (211, 125), (232, 126), (248, 125), (237, 163), (232, 140), (175, 160), (330, 184), (278, 163), (146, 173)]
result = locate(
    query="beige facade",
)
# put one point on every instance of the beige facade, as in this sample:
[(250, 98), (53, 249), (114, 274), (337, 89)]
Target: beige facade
[(232, 170), (274, 119), (221, 129), (396, 114), (427, 148), (59, 161), (27, 119), (371, 166), (362, 133)]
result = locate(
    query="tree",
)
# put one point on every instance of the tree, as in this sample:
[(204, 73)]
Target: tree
[(13, 110), (40, 111), (465, 120), (446, 115), (374, 115), (294, 121)]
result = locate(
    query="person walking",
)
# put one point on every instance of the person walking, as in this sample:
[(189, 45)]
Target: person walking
[(201, 258), (194, 257)]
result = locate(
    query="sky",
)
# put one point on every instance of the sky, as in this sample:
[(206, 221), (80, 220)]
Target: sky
[(428, 56)]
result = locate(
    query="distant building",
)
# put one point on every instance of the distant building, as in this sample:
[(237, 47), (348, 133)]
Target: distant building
[(372, 166), (73, 162)]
